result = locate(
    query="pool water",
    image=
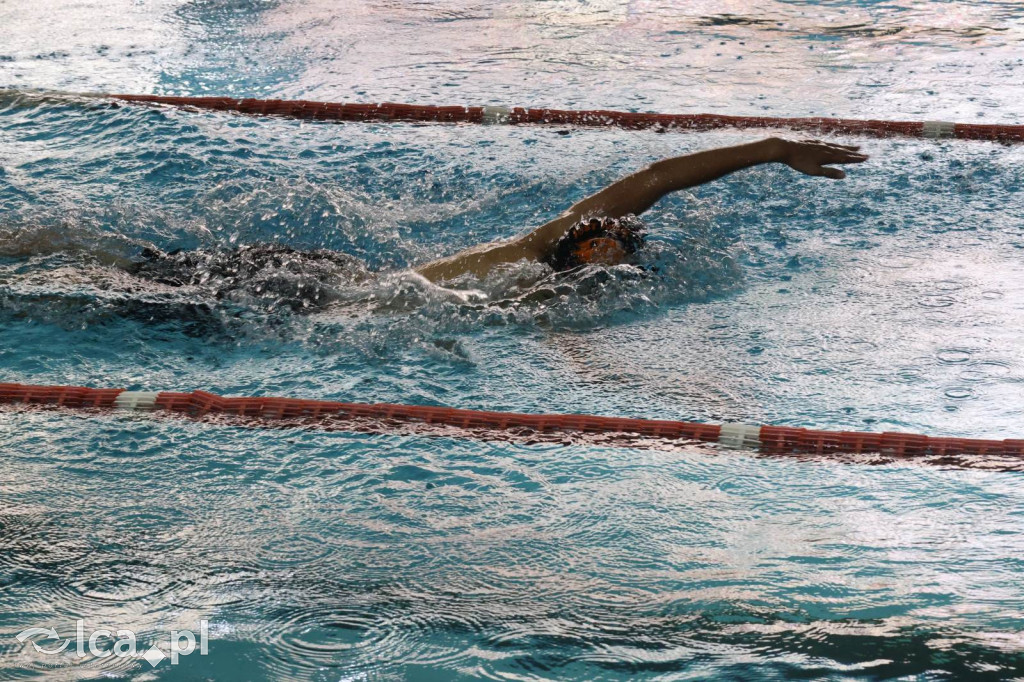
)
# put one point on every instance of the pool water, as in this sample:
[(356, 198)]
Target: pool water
[(888, 301)]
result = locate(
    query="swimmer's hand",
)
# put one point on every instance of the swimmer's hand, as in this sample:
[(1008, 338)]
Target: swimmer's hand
[(811, 157)]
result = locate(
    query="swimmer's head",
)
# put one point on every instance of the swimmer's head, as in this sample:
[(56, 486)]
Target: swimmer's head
[(602, 241)]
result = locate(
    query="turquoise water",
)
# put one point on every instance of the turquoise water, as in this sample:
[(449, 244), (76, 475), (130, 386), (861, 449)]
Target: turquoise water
[(889, 301)]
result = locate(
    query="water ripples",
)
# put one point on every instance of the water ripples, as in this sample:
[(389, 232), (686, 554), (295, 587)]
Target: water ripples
[(370, 549), (432, 557)]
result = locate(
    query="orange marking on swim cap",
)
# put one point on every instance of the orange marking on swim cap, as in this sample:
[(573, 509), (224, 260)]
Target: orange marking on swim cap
[(605, 250)]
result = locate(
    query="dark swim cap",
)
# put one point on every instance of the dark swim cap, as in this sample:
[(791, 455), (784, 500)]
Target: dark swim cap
[(575, 247)]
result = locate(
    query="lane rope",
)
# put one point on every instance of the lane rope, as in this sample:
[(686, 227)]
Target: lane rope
[(772, 440), (502, 115)]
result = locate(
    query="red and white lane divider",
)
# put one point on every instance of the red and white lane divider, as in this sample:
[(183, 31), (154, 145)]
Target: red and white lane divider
[(776, 440), (390, 111)]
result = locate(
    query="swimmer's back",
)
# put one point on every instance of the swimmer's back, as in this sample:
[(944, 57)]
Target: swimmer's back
[(293, 277)]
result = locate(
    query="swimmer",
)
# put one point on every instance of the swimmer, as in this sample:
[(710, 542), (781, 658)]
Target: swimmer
[(208, 283), (602, 229)]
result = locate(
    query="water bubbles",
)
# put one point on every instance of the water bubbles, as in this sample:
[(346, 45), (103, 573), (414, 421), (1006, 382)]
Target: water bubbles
[(899, 262), (936, 301), (953, 355), (985, 371), (958, 393)]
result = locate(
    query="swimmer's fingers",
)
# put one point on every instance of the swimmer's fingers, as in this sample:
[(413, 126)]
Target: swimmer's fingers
[(851, 147), (818, 169), (847, 152), (842, 153), (814, 158), (828, 172), (847, 157)]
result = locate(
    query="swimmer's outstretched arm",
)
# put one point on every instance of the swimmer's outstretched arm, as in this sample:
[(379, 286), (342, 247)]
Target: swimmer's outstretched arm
[(636, 193)]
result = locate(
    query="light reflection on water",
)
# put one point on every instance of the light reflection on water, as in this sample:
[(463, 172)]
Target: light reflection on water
[(889, 301), (392, 553)]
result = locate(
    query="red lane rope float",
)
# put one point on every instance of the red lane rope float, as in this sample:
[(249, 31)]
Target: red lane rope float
[(774, 440), (390, 111)]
